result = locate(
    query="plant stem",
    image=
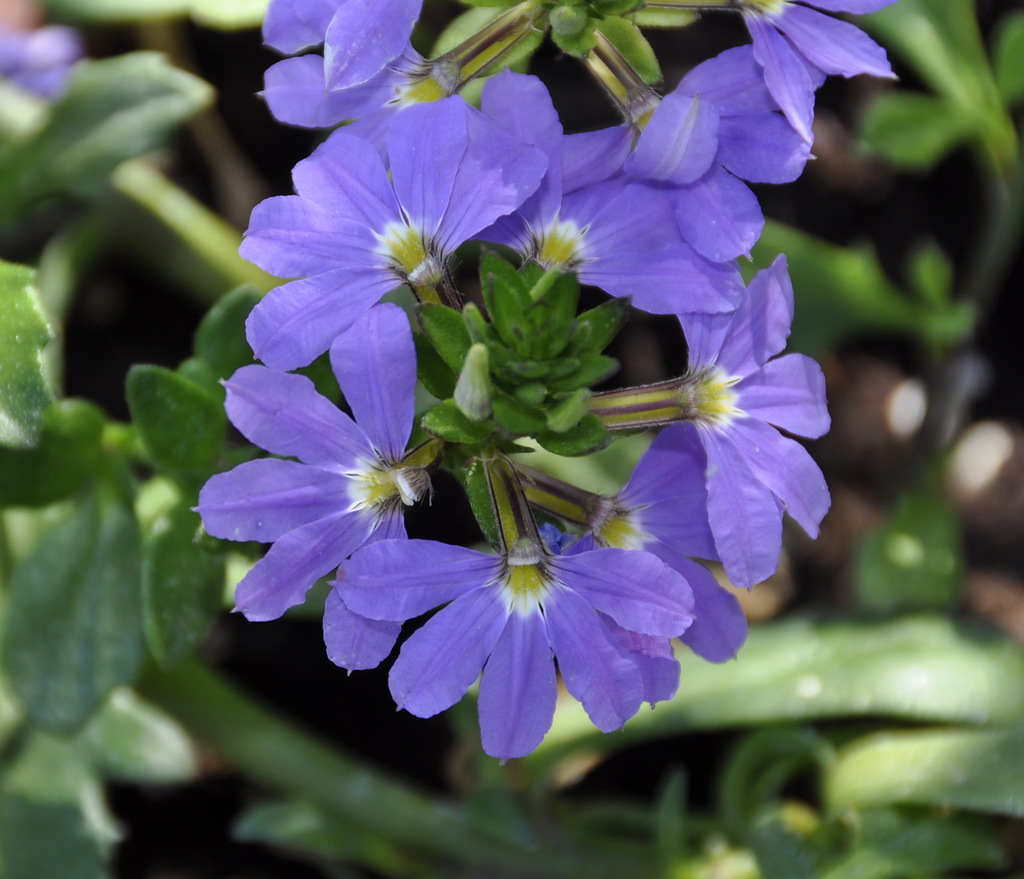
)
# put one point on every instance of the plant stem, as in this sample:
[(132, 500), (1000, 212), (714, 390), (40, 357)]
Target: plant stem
[(274, 752)]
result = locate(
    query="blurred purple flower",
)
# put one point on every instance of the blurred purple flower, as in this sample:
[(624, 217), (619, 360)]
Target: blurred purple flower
[(40, 60), (351, 478)]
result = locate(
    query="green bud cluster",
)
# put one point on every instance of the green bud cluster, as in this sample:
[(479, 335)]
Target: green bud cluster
[(525, 368)]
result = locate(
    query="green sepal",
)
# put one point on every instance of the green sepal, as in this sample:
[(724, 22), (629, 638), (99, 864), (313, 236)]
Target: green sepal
[(528, 369), (180, 424), (568, 21), (436, 375), (604, 322), (517, 418), (65, 457), (531, 393), (506, 298), (667, 17), (479, 494), (446, 421), (182, 585), (632, 45), (579, 43), (74, 617), (477, 326), (589, 372), (447, 331), (587, 436), (24, 332), (550, 320), (568, 412), (220, 339), (615, 7)]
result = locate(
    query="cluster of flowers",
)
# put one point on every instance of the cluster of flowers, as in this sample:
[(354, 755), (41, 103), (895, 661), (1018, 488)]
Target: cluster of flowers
[(657, 209)]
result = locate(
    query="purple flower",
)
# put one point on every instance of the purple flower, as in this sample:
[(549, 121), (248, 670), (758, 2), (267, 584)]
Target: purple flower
[(351, 477), (663, 510), (352, 233), (796, 45), (360, 37), (616, 235), (39, 61), (508, 615), (739, 395)]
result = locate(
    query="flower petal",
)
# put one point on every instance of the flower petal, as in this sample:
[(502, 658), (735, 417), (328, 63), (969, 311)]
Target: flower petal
[(785, 467), (634, 588), (788, 392), (354, 642), (719, 216), (284, 414), (654, 659), (401, 579), (296, 560), (518, 689), (834, 46), (439, 661), (785, 74), (375, 363), (745, 516), (298, 321), (596, 670), (293, 25), (364, 36), (679, 142), (263, 499)]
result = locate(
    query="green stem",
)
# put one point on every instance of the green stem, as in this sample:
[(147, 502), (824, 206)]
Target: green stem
[(206, 234), (278, 754)]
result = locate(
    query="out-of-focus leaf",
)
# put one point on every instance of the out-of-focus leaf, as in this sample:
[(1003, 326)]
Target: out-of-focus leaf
[(181, 585), (131, 740), (180, 423), (915, 561), (960, 769), (220, 340), (1008, 57), (24, 332), (892, 843), (841, 291), (113, 110), (919, 668), (930, 272), (302, 827), (226, 14), (73, 627), (64, 459), (914, 130), (54, 823), (780, 853), (942, 41)]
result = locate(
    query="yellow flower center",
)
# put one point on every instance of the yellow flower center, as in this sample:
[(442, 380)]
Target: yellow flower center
[(713, 398), (561, 245), (621, 531), (419, 89), (765, 7), (409, 254), (381, 487)]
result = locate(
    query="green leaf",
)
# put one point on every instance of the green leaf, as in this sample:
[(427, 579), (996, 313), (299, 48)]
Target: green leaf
[(436, 375), (24, 332), (220, 339), (130, 740), (841, 291), (549, 321), (592, 369), (506, 299), (182, 585), (74, 620), (915, 561), (446, 421), (626, 37), (446, 329), (781, 854), (915, 131), (588, 436), (604, 323), (893, 843), (931, 274), (668, 17), (180, 423), (952, 769), (54, 823), (113, 110), (1008, 57), (64, 459), (919, 668), (226, 14)]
